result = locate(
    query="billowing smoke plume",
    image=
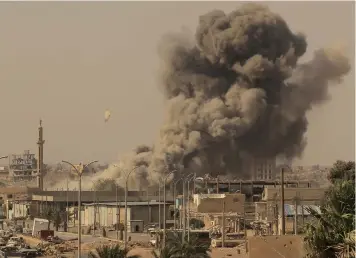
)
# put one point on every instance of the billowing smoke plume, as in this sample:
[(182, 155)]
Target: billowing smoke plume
[(237, 91)]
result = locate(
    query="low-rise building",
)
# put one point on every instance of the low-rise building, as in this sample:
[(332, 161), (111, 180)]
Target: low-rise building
[(269, 209), (210, 208), (139, 214), (22, 166), (4, 172), (216, 203)]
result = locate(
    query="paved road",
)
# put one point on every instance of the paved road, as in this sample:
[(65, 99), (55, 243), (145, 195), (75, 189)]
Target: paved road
[(85, 238), (140, 237)]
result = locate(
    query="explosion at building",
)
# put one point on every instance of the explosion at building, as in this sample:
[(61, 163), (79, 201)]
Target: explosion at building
[(236, 91)]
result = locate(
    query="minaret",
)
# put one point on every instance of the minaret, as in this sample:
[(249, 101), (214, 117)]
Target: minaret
[(40, 157)]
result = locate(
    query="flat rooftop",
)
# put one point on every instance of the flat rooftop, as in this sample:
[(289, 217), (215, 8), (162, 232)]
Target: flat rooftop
[(143, 203)]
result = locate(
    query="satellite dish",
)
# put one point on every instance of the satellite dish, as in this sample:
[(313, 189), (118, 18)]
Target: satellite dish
[(107, 115)]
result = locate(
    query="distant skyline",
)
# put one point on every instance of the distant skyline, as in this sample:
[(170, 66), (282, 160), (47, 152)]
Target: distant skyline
[(67, 62)]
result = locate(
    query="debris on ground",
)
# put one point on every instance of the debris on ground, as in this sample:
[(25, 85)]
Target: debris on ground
[(135, 244), (50, 248)]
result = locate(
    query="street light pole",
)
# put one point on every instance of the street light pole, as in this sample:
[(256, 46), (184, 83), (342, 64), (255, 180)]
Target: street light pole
[(193, 177), (159, 205), (67, 208), (184, 207), (283, 224), (126, 187), (164, 205), (117, 208), (79, 172), (174, 199)]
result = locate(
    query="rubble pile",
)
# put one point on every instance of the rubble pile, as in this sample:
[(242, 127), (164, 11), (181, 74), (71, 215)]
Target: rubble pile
[(50, 249), (134, 244)]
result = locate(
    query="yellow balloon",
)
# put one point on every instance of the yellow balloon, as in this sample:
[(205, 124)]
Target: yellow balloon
[(107, 115)]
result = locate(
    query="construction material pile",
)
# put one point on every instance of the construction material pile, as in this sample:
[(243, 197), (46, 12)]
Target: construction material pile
[(50, 249), (134, 244)]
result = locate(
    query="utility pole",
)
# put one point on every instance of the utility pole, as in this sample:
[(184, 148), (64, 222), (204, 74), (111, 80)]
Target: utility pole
[(148, 207), (80, 213), (296, 201), (159, 204), (223, 226), (302, 207), (117, 209), (184, 206), (174, 199), (183, 215), (189, 206), (296, 217), (164, 205), (67, 212), (276, 217), (174, 207), (245, 230), (283, 224), (126, 193), (94, 209)]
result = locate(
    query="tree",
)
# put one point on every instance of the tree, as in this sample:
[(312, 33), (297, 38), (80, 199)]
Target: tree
[(48, 214), (57, 219), (54, 216), (330, 235), (107, 251), (176, 248), (342, 170)]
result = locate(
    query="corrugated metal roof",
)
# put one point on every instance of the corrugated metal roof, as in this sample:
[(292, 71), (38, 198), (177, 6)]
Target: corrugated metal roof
[(290, 209), (123, 203)]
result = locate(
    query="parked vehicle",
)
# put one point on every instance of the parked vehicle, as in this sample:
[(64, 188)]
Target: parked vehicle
[(54, 239), (28, 252), (15, 241)]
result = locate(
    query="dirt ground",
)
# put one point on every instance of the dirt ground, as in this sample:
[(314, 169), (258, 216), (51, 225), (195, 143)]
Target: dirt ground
[(146, 252), (276, 246), (271, 247)]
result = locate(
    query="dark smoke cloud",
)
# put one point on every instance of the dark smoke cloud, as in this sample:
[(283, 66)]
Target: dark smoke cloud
[(236, 91), (239, 91)]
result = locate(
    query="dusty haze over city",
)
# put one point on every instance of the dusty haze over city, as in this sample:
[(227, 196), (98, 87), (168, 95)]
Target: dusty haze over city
[(66, 63)]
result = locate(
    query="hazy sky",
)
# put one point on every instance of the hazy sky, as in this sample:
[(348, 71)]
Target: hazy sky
[(67, 62)]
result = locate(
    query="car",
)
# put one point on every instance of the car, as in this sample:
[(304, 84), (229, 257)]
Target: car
[(15, 241), (28, 252), (54, 239)]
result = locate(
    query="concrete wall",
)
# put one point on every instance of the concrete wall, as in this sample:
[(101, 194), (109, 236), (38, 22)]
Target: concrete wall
[(106, 215), (97, 196), (198, 197), (141, 213), (233, 203), (261, 211), (305, 194)]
